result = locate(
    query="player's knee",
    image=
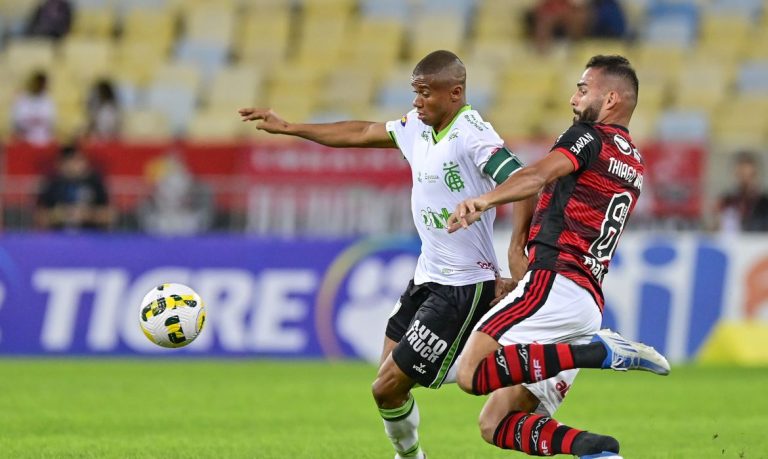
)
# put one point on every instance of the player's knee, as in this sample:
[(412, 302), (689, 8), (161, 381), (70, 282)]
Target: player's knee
[(465, 377), (380, 392), (388, 393), (488, 425)]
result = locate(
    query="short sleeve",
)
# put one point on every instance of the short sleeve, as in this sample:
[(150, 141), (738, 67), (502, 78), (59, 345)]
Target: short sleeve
[(482, 144), (402, 131), (580, 143)]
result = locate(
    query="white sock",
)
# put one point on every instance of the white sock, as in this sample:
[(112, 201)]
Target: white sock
[(401, 425)]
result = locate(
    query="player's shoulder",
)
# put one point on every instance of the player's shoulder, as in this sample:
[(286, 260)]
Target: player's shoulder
[(581, 132), (470, 123)]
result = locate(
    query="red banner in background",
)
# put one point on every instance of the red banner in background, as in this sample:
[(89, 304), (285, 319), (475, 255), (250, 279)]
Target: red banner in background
[(675, 175), (312, 174)]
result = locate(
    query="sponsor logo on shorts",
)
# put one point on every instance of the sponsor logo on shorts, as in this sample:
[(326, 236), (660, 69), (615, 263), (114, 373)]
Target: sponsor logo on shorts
[(420, 368), (562, 388), (426, 343)]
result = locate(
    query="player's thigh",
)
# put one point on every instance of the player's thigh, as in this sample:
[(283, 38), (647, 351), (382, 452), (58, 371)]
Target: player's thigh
[(549, 308), (439, 330)]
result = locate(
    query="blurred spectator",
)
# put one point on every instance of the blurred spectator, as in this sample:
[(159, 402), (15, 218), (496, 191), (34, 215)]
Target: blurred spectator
[(51, 19), (104, 115), (33, 113), (745, 207), (74, 197), (179, 204), (574, 19)]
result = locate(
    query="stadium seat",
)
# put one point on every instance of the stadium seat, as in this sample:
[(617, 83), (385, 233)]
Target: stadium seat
[(321, 38), (740, 122), (264, 38), (176, 74), (700, 85), (395, 92), (212, 23), (373, 43), (177, 102), (234, 87), (434, 31), (683, 126), (512, 123), (145, 125), (26, 55), (208, 57), (745, 8), (94, 22), (462, 8), (753, 77), (135, 62), (671, 24), (155, 26), (349, 89), (393, 9), (16, 13), (214, 125), (87, 58)]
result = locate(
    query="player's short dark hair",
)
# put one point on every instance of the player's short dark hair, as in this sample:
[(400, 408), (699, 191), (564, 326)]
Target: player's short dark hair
[(442, 62), (617, 66)]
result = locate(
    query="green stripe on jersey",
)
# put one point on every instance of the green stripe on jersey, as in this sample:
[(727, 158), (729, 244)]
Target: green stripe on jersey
[(392, 136), (502, 164), (438, 136), (449, 357)]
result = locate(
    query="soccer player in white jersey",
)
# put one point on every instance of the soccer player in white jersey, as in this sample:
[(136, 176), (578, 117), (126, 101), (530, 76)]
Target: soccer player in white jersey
[(454, 155)]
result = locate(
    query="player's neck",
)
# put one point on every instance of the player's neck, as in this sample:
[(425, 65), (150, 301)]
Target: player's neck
[(450, 117)]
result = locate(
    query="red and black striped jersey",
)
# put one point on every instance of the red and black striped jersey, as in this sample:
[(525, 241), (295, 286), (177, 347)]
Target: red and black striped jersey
[(580, 217)]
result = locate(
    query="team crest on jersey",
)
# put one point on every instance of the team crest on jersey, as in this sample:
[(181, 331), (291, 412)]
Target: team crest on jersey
[(403, 120), (623, 144), (452, 177)]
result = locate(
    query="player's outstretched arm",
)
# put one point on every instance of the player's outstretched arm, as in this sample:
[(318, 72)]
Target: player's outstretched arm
[(528, 182), (341, 134)]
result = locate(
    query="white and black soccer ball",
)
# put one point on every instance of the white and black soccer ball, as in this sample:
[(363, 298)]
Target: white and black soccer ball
[(172, 315)]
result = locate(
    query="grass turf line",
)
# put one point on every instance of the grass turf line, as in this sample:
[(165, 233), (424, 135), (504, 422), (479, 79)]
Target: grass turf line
[(99, 408)]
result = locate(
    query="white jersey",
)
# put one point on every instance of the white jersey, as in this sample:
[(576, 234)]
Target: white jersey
[(447, 168)]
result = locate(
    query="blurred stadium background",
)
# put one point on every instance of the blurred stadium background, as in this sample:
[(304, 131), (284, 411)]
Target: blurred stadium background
[(300, 251)]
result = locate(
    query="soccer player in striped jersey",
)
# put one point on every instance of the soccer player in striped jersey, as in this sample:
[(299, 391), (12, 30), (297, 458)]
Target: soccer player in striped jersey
[(588, 184), (454, 155)]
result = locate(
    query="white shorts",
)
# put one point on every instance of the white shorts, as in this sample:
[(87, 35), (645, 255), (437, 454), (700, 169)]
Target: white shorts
[(545, 308)]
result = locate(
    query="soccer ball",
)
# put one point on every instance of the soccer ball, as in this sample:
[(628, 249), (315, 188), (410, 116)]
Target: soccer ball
[(171, 315)]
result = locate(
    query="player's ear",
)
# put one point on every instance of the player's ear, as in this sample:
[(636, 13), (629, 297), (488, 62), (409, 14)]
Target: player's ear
[(457, 92), (611, 99)]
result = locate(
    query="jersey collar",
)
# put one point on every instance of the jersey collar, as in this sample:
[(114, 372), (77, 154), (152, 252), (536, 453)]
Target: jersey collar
[(436, 137)]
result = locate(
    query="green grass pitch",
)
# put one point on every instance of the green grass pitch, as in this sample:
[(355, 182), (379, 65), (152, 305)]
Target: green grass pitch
[(100, 408)]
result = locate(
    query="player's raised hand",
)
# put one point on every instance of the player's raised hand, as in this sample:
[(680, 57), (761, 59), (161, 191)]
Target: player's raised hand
[(466, 213), (504, 285), (269, 121)]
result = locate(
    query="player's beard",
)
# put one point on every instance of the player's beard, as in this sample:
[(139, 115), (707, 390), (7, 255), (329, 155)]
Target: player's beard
[(589, 114)]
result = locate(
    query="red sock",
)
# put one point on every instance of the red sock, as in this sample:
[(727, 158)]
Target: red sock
[(521, 363), (535, 435)]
